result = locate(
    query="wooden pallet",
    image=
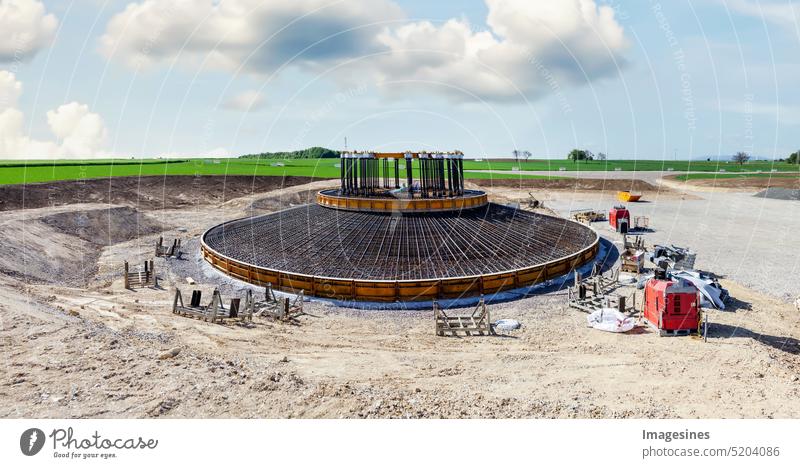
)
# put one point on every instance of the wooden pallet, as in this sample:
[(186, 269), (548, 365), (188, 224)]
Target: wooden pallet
[(587, 216), (684, 332), (478, 322), (701, 330), (145, 277), (215, 311)]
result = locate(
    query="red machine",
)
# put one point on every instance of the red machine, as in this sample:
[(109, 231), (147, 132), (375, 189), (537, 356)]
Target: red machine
[(672, 306), (616, 217)]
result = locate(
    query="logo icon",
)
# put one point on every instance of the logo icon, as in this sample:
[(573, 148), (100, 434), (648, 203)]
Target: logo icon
[(31, 441)]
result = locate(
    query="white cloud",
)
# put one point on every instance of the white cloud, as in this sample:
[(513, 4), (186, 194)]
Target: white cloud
[(79, 132), (784, 13), (82, 133), (247, 101), (532, 46), (25, 28), (10, 90), (259, 35)]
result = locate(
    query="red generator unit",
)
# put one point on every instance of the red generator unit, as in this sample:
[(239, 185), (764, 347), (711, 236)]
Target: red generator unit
[(672, 306), (620, 218)]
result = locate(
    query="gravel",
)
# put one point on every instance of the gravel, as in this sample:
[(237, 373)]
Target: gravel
[(750, 240), (777, 193)]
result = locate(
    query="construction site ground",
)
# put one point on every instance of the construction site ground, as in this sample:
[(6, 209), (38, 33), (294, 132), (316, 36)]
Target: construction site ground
[(75, 343)]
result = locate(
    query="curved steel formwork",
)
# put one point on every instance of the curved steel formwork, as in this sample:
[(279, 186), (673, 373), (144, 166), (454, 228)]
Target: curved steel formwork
[(368, 256), (389, 204)]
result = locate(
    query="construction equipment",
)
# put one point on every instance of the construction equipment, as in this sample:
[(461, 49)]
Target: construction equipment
[(587, 216), (672, 306), (171, 251), (632, 255), (284, 309), (619, 218), (477, 322), (597, 292), (626, 196), (678, 258), (142, 277), (215, 311)]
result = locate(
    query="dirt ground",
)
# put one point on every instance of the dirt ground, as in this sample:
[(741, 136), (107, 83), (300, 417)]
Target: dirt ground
[(149, 192), (610, 185), (75, 343), (737, 184)]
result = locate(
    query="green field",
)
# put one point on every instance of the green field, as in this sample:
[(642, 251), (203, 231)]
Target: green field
[(723, 175), (32, 171), (629, 165)]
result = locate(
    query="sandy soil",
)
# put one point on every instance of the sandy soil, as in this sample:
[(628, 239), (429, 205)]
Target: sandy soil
[(80, 345), (734, 185), (150, 192), (571, 184)]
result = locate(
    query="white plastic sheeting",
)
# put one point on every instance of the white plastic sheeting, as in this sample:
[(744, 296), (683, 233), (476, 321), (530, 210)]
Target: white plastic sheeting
[(507, 325), (610, 320), (711, 293)]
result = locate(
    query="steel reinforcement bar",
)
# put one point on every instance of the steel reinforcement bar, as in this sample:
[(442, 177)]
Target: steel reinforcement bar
[(398, 290), (470, 199)]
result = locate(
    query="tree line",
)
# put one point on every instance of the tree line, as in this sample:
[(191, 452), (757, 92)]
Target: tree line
[(315, 152)]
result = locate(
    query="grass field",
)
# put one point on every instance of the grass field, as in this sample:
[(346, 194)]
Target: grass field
[(32, 171), (723, 175)]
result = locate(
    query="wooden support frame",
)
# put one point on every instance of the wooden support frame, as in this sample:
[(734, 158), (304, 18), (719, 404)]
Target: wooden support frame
[(478, 322), (174, 250), (284, 310), (215, 311), (144, 277), (598, 291)]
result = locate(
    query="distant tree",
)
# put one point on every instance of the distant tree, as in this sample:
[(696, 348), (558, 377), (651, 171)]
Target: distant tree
[(740, 158), (601, 156), (580, 155), (526, 154), (794, 158), (516, 154), (575, 155), (309, 153)]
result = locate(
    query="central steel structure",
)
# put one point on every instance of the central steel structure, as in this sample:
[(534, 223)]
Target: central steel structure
[(370, 174), (380, 237)]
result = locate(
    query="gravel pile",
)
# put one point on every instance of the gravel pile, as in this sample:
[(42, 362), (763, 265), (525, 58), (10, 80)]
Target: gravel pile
[(779, 193)]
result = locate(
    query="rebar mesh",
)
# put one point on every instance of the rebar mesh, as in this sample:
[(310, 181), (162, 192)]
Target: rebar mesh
[(319, 241)]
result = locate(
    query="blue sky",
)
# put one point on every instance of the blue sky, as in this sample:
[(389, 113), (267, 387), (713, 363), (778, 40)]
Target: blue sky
[(650, 81)]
